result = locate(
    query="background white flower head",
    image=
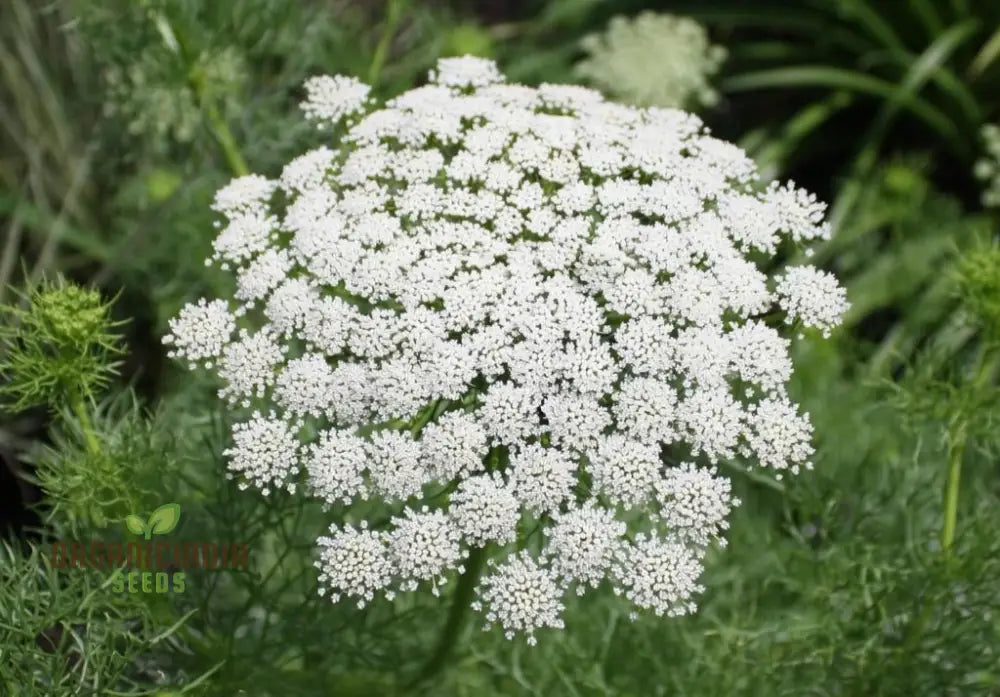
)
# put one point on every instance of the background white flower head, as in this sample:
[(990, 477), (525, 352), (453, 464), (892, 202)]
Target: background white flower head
[(653, 59), (519, 317)]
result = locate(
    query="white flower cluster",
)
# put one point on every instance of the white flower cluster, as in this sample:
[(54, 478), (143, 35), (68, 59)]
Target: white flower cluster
[(988, 168), (653, 60), (521, 318)]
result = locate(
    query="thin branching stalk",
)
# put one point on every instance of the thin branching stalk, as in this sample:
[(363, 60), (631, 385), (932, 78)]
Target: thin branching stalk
[(460, 605), (957, 438), (394, 13), (224, 137), (79, 406), (956, 451), (217, 124)]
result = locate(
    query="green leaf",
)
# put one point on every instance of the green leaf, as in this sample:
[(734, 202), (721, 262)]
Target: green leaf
[(933, 61), (778, 150), (987, 54), (837, 78), (878, 27), (135, 525), (928, 16), (164, 519)]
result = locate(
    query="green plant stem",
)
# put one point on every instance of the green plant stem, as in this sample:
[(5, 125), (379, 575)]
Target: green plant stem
[(430, 412), (176, 42), (453, 626), (394, 12), (957, 438), (230, 150), (956, 450), (89, 435)]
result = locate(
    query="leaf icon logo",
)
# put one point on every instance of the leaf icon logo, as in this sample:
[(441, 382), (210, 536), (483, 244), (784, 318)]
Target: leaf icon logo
[(161, 521), (135, 525)]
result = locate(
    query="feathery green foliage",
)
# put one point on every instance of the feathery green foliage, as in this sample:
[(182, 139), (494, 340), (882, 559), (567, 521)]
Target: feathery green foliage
[(63, 632), (60, 346)]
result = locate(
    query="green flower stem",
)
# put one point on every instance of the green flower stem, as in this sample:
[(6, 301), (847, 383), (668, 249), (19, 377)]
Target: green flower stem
[(394, 13), (430, 412), (79, 407), (230, 150), (956, 450), (957, 439), (461, 602), (175, 41)]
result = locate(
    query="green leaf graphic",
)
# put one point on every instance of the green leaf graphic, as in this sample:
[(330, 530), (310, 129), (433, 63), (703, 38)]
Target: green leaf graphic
[(135, 525), (163, 519)]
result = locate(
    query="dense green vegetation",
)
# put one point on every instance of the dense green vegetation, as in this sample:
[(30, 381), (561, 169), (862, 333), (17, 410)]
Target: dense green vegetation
[(877, 573)]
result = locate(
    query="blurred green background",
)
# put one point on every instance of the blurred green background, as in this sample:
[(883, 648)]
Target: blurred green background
[(120, 118)]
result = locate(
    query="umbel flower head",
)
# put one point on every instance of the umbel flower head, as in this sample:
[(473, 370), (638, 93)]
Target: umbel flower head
[(524, 319), (653, 60)]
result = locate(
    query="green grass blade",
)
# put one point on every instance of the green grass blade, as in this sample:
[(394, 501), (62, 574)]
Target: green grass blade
[(801, 21), (905, 93), (877, 27), (986, 56), (928, 16), (777, 150), (42, 225), (765, 51), (925, 67), (820, 76)]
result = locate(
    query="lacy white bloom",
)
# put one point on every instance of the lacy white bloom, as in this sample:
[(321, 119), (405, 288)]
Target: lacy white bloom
[(522, 597), (988, 167), (485, 510), (779, 436), (246, 235), (625, 469), (200, 331), (248, 194), (424, 546), (304, 386), (694, 503), (454, 445), (660, 575), (395, 467), (502, 312), (354, 563), (336, 465), (307, 172), (653, 60), (264, 453), (583, 544), (759, 355), (263, 275), (466, 71), (542, 478), (248, 366), (812, 296), (329, 99)]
